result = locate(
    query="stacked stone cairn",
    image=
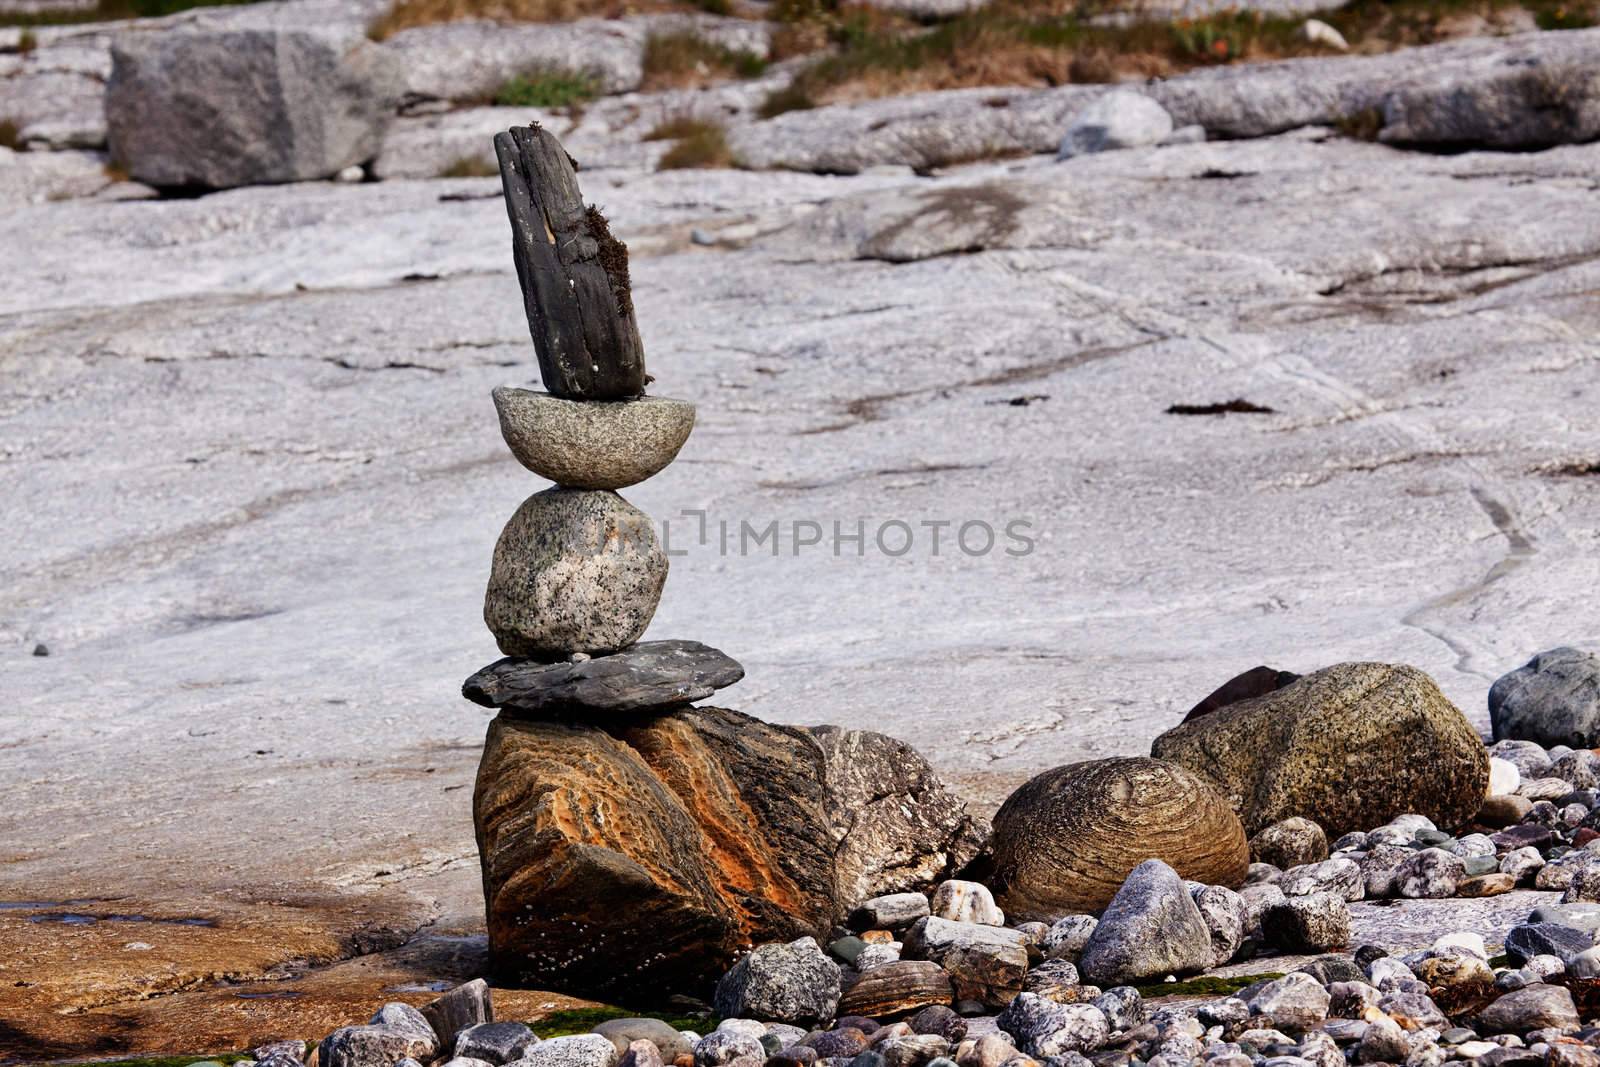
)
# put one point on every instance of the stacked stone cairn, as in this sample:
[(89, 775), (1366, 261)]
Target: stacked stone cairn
[(611, 810), (578, 571)]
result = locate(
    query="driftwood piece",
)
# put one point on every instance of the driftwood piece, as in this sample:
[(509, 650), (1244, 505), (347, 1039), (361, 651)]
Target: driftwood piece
[(573, 273), (651, 674)]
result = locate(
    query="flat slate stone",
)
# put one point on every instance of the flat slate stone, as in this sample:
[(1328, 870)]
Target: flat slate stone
[(650, 674)]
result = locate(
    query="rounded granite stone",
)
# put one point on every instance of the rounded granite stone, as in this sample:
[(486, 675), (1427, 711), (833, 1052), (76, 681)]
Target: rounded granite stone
[(575, 570), (1065, 841), (590, 444)]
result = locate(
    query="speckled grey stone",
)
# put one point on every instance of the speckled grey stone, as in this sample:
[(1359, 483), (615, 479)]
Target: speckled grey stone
[(1295, 1003), (1045, 1028), (1224, 913), (1337, 875), (586, 444), (1122, 1006), (499, 1042), (576, 1050), (575, 570), (1313, 923), (1292, 842), (1067, 936), (1553, 699), (1150, 929), (789, 983), (650, 674), (1432, 873), (1380, 870)]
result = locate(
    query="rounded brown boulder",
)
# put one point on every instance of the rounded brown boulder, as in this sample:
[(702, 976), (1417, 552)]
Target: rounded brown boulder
[(1349, 747), (1065, 841)]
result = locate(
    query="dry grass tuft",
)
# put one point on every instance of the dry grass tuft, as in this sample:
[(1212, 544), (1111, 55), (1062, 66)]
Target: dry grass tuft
[(1362, 126), (700, 145), (1041, 43), (682, 61), (796, 96), (674, 129), (470, 167), (408, 14)]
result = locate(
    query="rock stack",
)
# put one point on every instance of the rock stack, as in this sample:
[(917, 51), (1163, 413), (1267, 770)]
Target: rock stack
[(578, 570), (633, 844)]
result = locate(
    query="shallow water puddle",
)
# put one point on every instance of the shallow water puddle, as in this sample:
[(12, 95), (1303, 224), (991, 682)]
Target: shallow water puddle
[(72, 918)]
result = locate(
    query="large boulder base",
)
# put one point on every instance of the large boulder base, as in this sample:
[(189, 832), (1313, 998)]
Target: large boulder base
[(1349, 747), (697, 833), (219, 109), (1066, 840), (896, 826)]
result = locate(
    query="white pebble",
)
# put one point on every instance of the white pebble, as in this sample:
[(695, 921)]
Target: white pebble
[(1504, 778), (1462, 939), (1318, 32)]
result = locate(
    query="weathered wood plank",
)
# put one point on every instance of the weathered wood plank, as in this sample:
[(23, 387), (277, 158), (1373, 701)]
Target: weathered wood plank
[(573, 273)]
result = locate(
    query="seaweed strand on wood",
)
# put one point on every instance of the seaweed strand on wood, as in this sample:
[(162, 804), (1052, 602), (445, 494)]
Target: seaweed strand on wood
[(573, 273)]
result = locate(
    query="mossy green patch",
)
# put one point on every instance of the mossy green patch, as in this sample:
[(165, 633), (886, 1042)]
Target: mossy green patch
[(1205, 985), (582, 1020), (548, 88)]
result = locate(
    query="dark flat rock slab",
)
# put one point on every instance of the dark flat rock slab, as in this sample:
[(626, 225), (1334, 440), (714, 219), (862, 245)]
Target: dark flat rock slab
[(650, 674)]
